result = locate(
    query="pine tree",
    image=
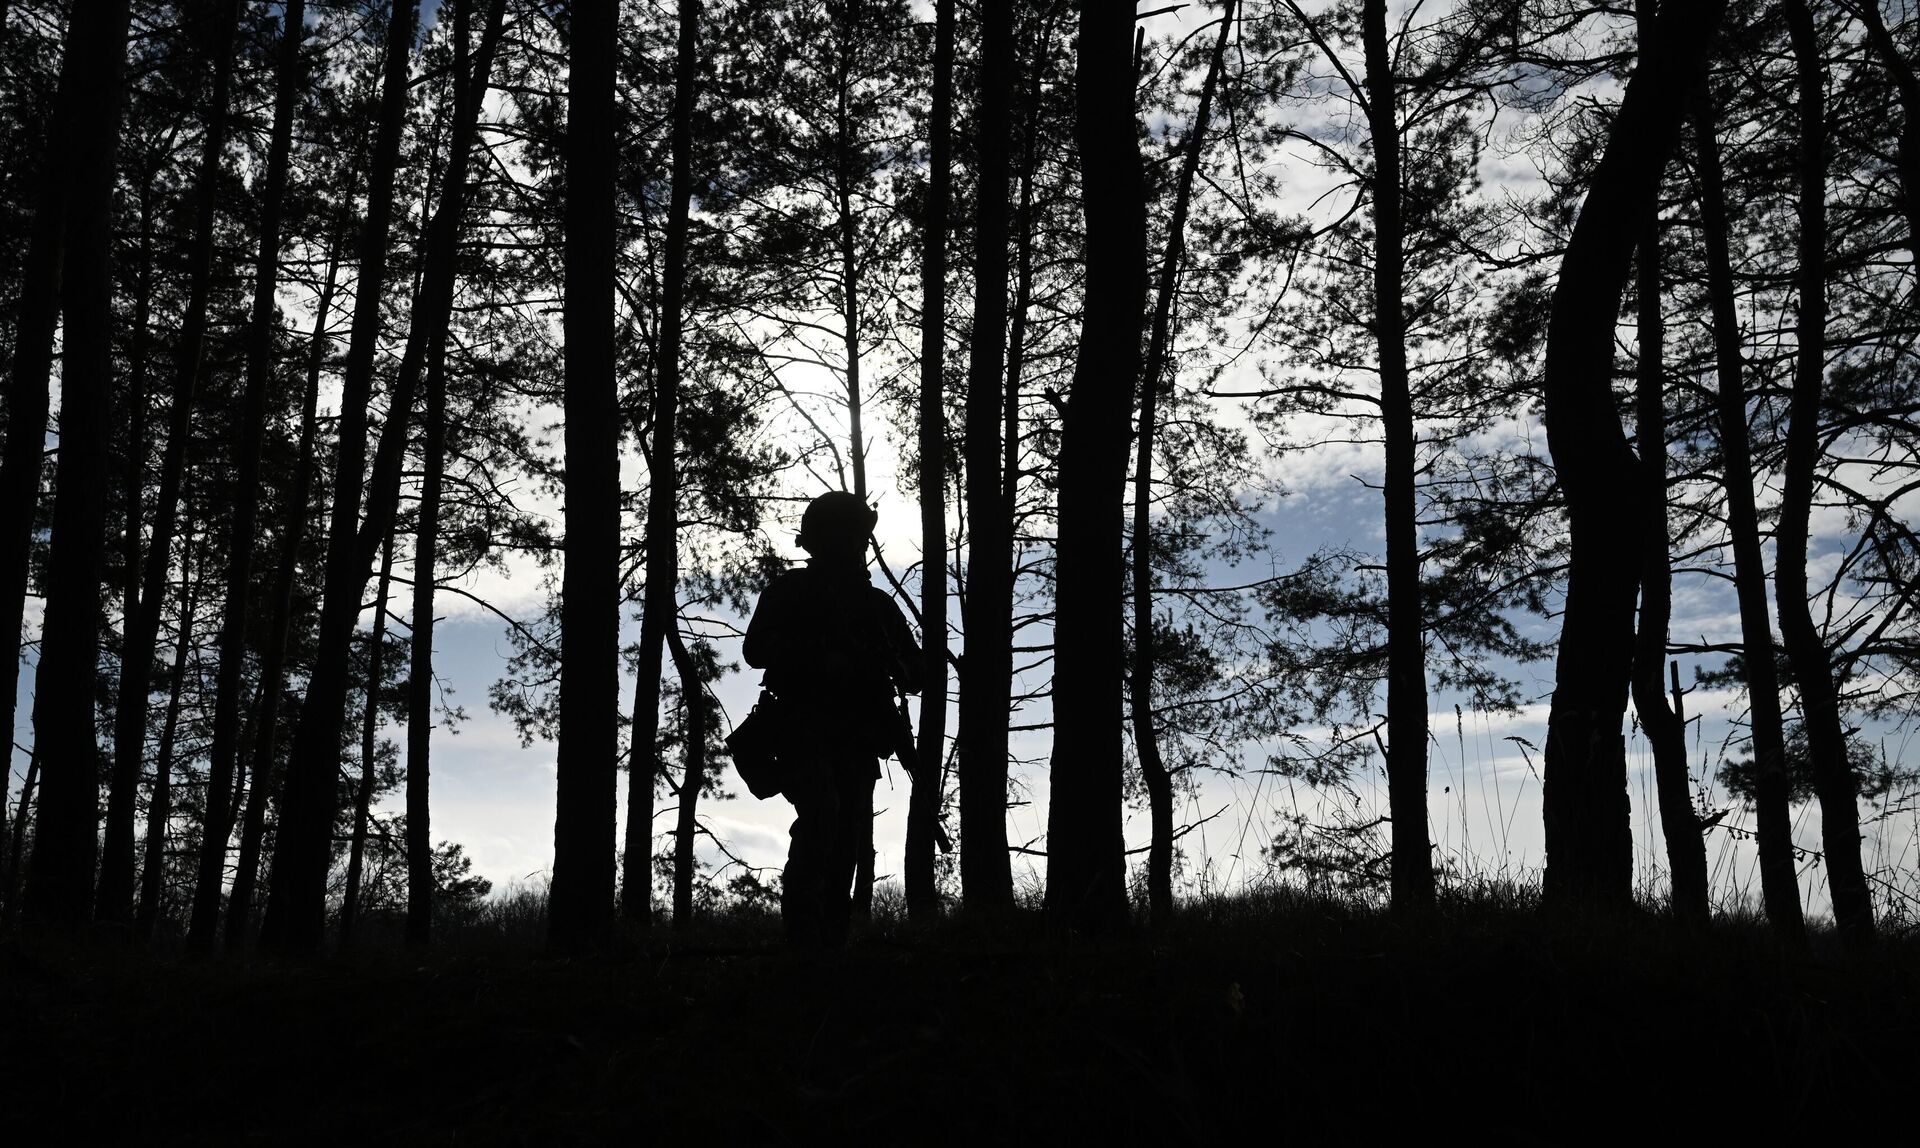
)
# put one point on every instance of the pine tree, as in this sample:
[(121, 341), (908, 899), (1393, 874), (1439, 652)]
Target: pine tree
[(59, 879), (261, 327), (295, 918), (1086, 876), (581, 898), (1589, 836), (986, 669)]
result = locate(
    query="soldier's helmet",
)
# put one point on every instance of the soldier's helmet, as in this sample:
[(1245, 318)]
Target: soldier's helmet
[(836, 522)]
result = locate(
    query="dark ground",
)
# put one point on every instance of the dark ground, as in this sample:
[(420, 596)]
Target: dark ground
[(1277, 1020)]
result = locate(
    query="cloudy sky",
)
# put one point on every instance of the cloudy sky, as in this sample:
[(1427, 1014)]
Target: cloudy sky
[(496, 797)]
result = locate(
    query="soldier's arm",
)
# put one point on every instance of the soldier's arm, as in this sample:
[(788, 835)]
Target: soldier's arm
[(766, 630)]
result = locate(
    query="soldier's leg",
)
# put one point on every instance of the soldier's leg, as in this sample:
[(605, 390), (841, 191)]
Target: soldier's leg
[(853, 820), (810, 852)]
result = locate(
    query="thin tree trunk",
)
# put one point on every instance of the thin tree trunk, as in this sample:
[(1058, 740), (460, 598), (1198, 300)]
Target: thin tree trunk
[(923, 802), (310, 808), (1588, 825), (660, 603), (580, 903), (847, 224), (134, 483), (998, 893), (146, 917), (1146, 740), (1666, 733), (420, 886), (1807, 652), (369, 747), (693, 696), (848, 31), (1022, 310), (229, 685), (60, 874), (1086, 850), (273, 660), (420, 676), (1412, 864), (1779, 885), (986, 669), (636, 872), (135, 474), (220, 25), (326, 690), (850, 339), (295, 919)]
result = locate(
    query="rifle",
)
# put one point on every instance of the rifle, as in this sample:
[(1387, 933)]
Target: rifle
[(905, 749)]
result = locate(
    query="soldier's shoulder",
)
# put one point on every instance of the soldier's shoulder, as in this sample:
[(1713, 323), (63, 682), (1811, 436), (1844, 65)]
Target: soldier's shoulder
[(780, 590), (792, 578)]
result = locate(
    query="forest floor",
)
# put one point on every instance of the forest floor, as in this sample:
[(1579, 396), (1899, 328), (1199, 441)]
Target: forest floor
[(1280, 1018)]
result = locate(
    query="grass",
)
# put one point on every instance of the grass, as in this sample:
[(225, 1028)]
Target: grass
[(1280, 1014)]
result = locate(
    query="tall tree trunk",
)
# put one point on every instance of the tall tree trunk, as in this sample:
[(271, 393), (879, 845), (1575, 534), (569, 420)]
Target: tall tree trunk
[(986, 668), (923, 803), (1589, 833), (580, 903), (1412, 865), (273, 660), (229, 682), (1086, 849), (1022, 311), (310, 804), (1900, 70), (134, 484), (1146, 740), (1779, 885), (220, 21), (153, 872), (693, 696), (1806, 651), (60, 873), (369, 748), (660, 604), (849, 31), (470, 89), (1666, 733), (295, 918), (37, 316), (420, 676)]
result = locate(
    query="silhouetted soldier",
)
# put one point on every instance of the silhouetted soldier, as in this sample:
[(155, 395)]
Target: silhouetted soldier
[(833, 646)]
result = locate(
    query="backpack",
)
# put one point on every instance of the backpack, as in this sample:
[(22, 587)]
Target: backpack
[(755, 746)]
